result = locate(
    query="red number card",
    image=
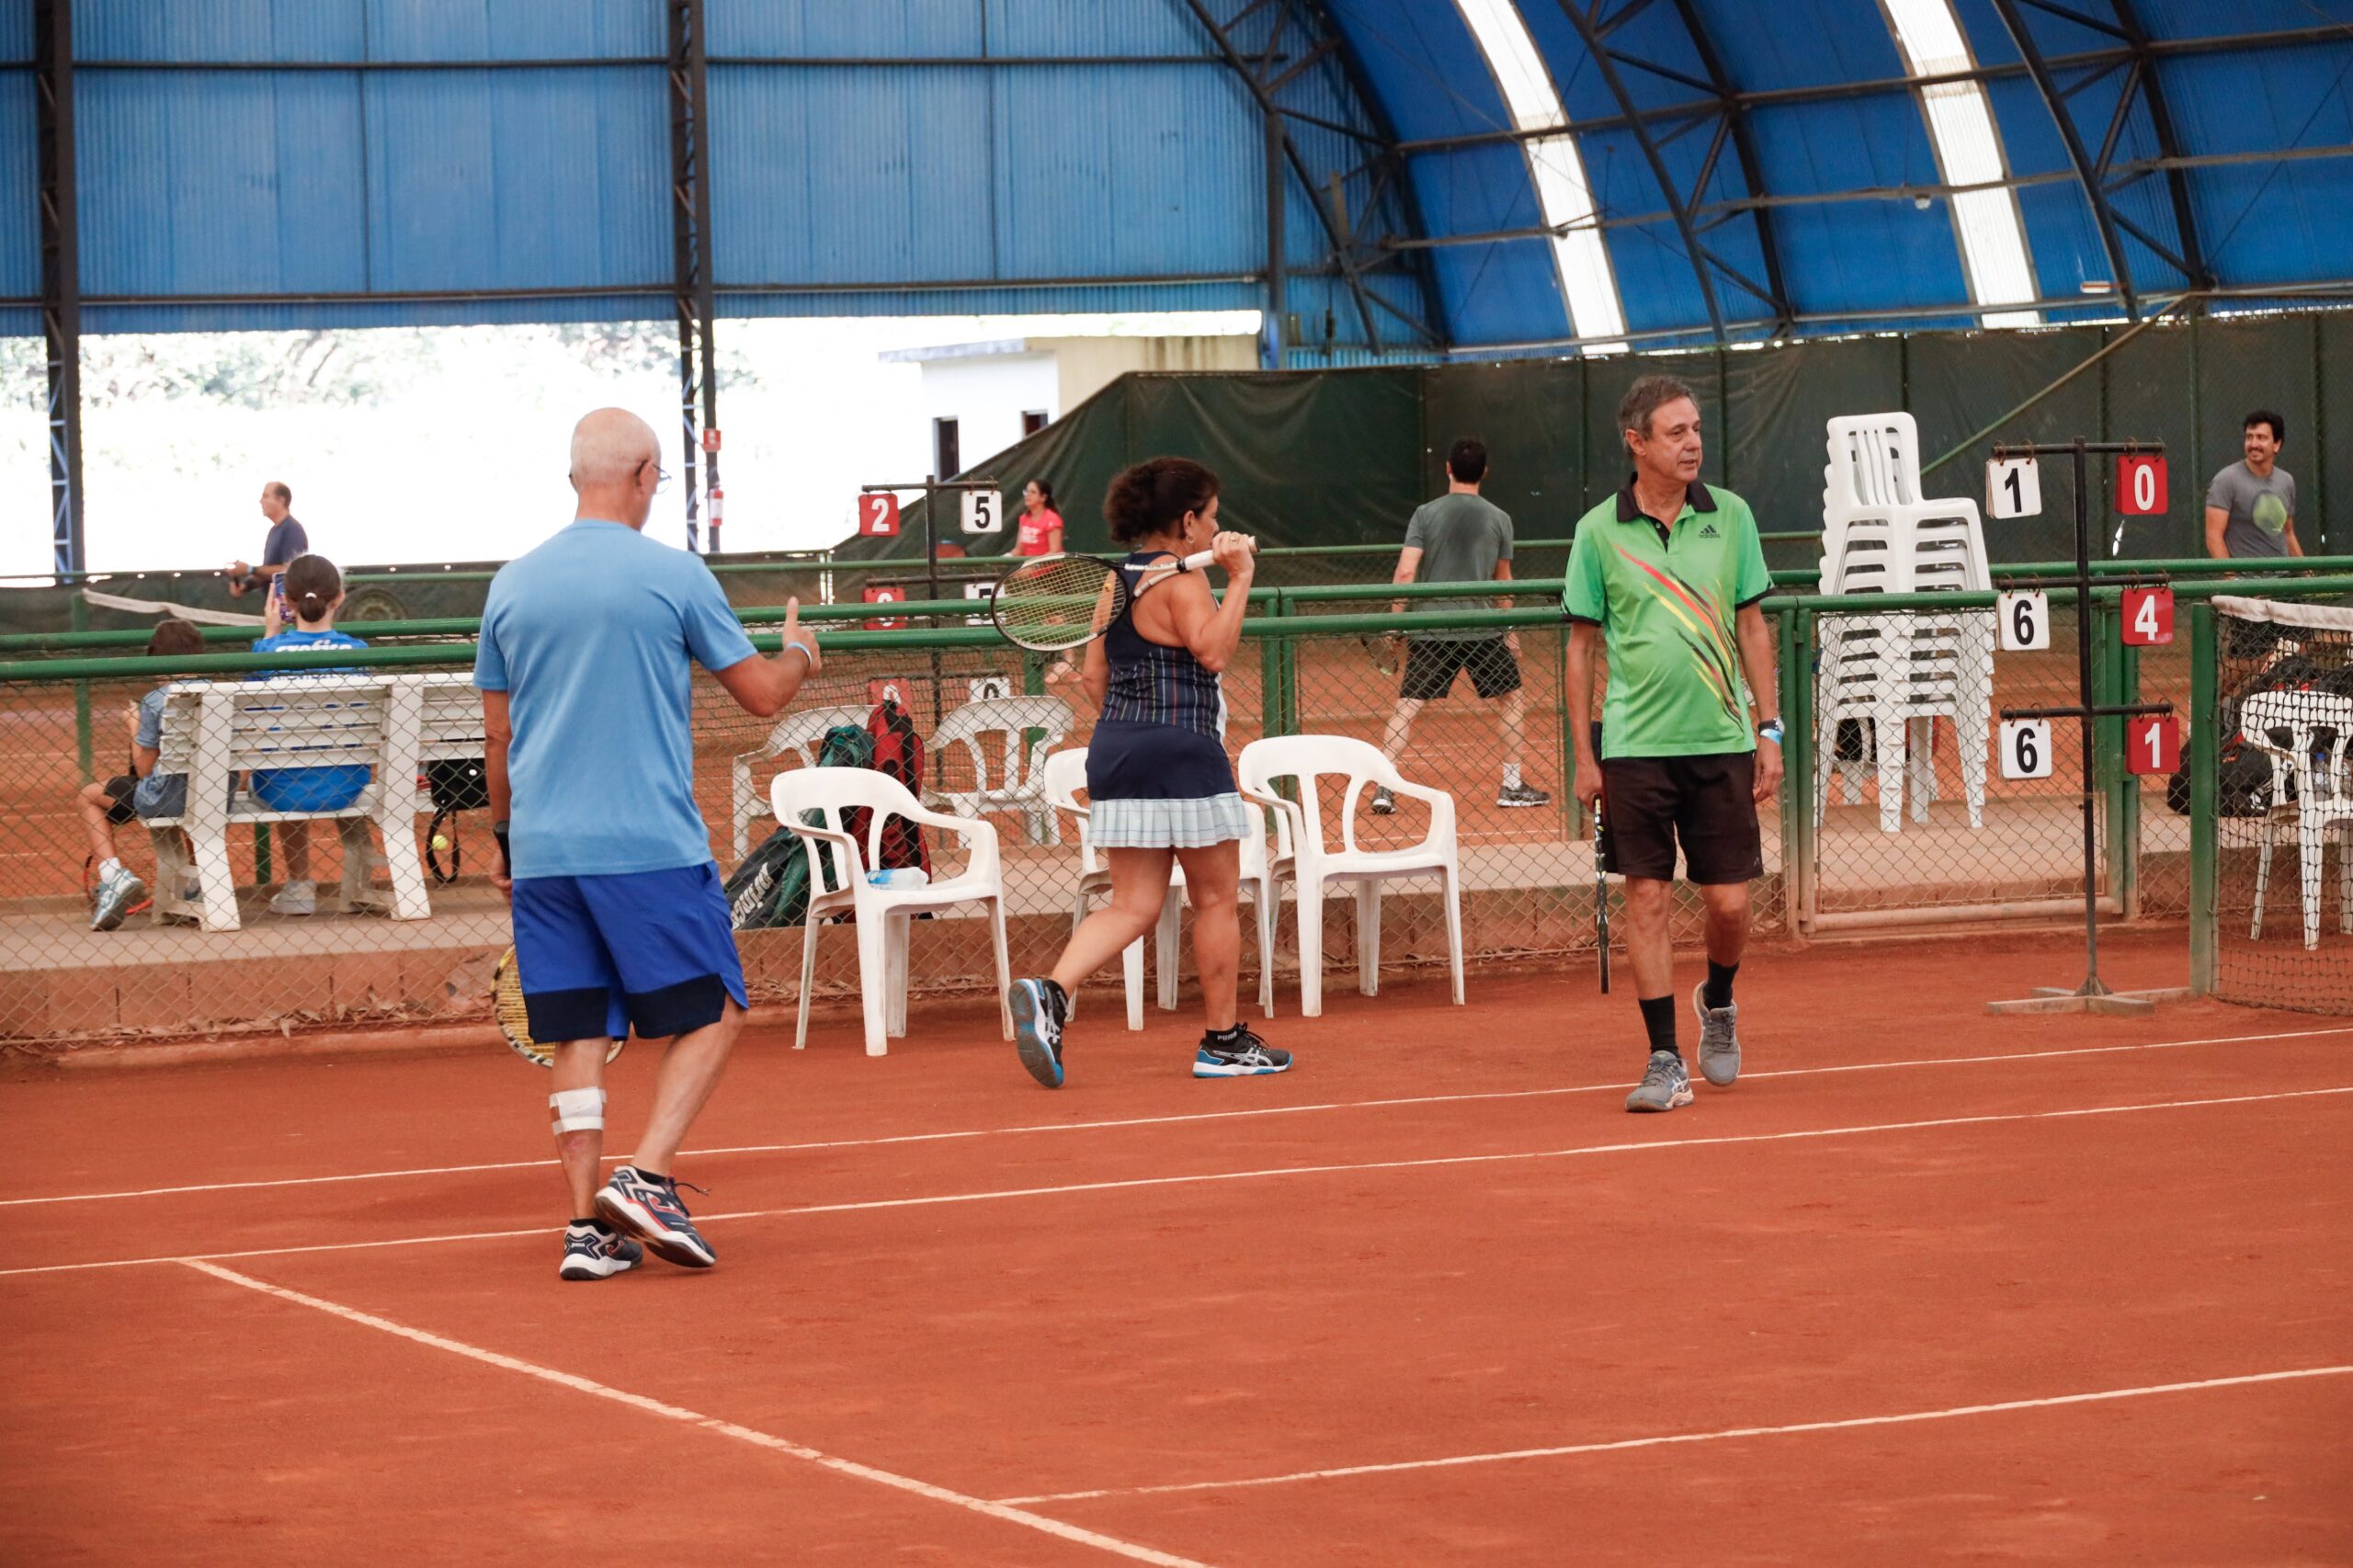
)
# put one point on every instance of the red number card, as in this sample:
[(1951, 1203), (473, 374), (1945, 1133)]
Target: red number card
[(878, 514), (886, 593), (2140, 485), (2148, 616), (2152, 745)]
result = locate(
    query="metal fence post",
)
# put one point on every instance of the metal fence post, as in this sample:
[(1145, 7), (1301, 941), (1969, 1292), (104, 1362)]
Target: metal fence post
[(2203, 758), (79, 613), (1797, 765)]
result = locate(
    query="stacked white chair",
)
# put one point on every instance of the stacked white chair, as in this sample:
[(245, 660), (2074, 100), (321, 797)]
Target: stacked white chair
[(1896, 675), (1065, 776), (799, 733)]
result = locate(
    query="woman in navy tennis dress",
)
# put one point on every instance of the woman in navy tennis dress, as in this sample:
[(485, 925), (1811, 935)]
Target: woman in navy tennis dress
[(1160, 787)]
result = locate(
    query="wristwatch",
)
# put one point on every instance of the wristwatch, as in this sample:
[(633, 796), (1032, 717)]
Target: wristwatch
[(1771, 730)]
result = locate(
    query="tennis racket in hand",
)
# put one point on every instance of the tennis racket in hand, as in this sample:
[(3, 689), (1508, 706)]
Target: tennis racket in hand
[(1601, 894), (507, 1005), (1051, 604)]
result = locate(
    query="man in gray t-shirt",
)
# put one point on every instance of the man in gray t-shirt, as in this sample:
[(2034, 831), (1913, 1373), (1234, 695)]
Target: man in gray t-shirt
[(1461, 538), (2251, 505)]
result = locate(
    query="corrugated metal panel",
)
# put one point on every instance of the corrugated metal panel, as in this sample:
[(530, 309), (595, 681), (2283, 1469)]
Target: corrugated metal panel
[(866, 30), (1090, 27), (367, 29), (19, 179), (15, 30), (220, 29), (513, 179)]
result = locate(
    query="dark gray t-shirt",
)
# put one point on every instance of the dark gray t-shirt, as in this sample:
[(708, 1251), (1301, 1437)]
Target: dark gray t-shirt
[(1461, 537), (2261, 509), (286, 539)]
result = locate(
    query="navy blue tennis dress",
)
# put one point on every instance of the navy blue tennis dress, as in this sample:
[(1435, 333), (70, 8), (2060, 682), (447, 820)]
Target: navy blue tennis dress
[(1157, 776)]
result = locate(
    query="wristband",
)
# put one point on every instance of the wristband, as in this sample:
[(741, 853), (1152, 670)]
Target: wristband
[(505, 856), (1771, 730), (803, 651)]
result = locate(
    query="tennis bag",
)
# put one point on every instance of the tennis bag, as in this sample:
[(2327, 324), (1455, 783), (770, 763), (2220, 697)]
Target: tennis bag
[(770, 888), (898, 752)]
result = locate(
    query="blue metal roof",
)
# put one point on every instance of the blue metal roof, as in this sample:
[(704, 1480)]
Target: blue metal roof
[(273, 162)]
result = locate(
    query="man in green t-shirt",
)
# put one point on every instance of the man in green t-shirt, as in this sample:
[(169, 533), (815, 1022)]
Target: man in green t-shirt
[(1461, 538), (1667, 575)]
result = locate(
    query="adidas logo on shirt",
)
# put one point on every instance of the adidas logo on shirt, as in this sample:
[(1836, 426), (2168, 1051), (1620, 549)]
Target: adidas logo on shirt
[(1708, 530)]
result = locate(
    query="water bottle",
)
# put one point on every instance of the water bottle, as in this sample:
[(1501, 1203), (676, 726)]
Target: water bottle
[(892, 877)]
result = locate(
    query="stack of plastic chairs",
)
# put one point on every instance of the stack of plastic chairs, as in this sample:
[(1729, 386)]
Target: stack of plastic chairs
[(1894, 674)]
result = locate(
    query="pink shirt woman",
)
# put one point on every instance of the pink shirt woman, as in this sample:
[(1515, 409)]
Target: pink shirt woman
[(1042, 526)]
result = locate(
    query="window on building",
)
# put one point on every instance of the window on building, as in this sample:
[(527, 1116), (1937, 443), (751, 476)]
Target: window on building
[(1032, 421), (947, 450)]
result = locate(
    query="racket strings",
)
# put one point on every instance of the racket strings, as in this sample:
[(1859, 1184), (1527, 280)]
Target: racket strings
[(1057, 601)]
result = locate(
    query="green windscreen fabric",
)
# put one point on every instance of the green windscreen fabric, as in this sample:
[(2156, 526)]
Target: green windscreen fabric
[(1778, 403), (1531, 414)]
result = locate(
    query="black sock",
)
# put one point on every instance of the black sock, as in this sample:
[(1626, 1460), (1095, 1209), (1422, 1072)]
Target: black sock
[(594, 1223), (1230, 1036), (1719, 991), (1658, 1019), (1060, 996), (657, 1178)]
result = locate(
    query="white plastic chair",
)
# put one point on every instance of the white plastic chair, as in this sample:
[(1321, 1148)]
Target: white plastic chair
[(1301, 855), (800, 732), (1031, 727), (838, 863), (1897, 673), (1064, 777), (2324, 799)]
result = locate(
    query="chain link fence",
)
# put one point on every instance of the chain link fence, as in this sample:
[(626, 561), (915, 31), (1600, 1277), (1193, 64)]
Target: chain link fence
[(1962, 844)]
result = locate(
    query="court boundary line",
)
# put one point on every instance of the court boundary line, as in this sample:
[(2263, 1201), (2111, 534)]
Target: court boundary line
[(1177, 1120), (1266, 1172), (1006, 1512), (1665, 1439)]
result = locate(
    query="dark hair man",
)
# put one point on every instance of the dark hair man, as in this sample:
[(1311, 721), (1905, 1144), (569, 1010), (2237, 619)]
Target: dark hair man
[(1460, 537), (1668, 573), (2251, 505)]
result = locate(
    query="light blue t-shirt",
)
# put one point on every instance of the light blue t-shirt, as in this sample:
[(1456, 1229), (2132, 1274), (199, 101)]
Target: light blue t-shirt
[(591, 636)]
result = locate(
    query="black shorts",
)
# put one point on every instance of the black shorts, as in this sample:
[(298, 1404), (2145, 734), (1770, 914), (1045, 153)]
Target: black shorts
[(1431, 664), (119, 791), (1648, 803)]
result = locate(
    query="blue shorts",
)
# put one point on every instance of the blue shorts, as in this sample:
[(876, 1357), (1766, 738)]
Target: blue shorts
[(309, 789), (653, 949)]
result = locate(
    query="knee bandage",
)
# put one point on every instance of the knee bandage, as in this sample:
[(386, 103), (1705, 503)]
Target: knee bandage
[(577, 1111)]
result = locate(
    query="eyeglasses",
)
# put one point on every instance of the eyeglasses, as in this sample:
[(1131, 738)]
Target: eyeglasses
[(661, 478)]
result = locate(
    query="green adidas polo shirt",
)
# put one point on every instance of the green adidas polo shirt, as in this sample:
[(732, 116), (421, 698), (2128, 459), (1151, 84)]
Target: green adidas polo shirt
[(1664, 600)]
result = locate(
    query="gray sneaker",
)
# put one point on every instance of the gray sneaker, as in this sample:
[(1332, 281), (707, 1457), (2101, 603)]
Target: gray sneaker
[(1665, 1084), (1522, 795), (1384, 804), (1718, 1039), (117, 893)]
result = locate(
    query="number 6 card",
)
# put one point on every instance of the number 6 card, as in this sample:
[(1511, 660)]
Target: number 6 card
[(2024, 618), (2026, 748)]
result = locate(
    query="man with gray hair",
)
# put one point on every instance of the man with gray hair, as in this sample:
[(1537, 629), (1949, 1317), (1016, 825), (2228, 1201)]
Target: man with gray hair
[(1667, 573), (584, 665)]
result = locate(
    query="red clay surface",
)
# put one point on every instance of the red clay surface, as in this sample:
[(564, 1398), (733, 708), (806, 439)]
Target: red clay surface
[(1439, 1240)]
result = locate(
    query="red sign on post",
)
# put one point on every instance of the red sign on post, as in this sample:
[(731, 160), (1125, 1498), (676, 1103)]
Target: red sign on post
[(711, 440), (878, 514), (2148, 616), (2152, 745), (886, 593), (2140, 485)]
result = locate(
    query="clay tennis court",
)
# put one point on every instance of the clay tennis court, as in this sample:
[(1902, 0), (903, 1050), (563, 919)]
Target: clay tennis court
[(1926, 1285)]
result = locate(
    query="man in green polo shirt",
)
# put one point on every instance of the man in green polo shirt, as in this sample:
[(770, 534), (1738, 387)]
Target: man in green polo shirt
[(1667, 574)]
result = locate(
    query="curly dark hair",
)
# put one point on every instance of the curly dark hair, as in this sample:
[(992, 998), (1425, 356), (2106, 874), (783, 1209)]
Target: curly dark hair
[(1152, 498)]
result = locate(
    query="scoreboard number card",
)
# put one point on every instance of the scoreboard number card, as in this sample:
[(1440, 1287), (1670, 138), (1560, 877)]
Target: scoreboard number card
[(2013, 488), (2024, 617), (2026, 748)]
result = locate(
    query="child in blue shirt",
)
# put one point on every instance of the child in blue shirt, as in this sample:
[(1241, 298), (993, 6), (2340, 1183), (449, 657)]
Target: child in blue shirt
[(312, 592)]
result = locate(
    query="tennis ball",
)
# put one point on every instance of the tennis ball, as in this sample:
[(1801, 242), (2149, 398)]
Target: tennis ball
[(440, 840)]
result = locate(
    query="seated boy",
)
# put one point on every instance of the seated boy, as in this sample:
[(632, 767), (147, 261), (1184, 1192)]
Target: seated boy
[(140, 792)]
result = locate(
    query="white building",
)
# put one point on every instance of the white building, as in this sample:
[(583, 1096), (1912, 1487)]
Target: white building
[(980, 398)]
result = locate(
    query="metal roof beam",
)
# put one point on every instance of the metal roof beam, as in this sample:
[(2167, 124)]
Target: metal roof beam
[(1769, 239), (1677, 204), (58, 216), (2169, 145), (1841, 91), (2090, 177)]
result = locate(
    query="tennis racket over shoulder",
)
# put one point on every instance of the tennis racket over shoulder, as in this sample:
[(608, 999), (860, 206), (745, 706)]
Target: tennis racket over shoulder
[(1051, 604)]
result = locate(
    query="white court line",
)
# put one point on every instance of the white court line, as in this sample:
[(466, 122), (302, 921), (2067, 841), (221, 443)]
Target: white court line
[(1007, 1512), (863, 1205), (1166, 1121), (1904, 1419)]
